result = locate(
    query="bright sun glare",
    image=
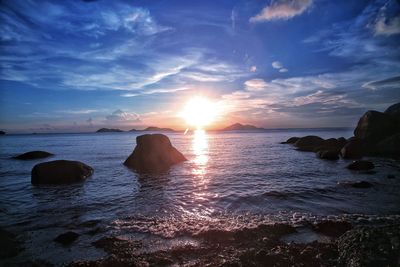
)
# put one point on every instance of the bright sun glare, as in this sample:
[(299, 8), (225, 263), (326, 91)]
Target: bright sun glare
[(200, 112)]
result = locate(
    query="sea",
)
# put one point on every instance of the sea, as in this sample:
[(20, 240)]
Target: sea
[(231, 180)]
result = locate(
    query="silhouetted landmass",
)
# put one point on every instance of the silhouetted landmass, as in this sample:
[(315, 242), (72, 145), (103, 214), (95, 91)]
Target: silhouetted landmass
[(2, 133), (108, 130), (241, 127), (157, 129)]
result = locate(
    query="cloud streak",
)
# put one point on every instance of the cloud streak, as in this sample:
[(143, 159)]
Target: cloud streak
[(282, 10)]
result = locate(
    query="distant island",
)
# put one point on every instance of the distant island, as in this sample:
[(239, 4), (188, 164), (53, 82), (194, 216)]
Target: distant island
[(148, 129), (108, 130), (241, 127)]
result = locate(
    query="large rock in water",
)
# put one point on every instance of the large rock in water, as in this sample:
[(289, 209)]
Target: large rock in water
[(153, 153), (375, 126), (60, 172), (389, 146), (308, 143), (33, 155), (394, 111)]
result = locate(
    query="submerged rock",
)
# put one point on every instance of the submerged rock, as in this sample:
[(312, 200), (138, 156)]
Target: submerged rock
[(66, 238), (360, 184), (328, 154), (308, 143), (60, 172), (34, 155), (153, 153), (361, 165)]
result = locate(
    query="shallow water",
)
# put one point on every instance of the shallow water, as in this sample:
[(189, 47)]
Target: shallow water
[(230, 180)]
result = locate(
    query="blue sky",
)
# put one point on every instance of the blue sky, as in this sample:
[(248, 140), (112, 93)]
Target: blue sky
[(80, 65)]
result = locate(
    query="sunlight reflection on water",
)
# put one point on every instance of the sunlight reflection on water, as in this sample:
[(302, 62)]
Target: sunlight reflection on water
[(199, 171)]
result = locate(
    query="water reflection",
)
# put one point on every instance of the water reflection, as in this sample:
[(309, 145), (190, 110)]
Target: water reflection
[(200, 150), (201, 193)]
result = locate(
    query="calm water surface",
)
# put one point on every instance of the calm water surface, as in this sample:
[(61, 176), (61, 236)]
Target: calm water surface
[(230, 179)]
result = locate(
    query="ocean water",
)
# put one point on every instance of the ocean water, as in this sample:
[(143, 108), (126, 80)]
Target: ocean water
[(231, 179)]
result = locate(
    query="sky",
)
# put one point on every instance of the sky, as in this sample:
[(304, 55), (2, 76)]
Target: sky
[(76, 66)]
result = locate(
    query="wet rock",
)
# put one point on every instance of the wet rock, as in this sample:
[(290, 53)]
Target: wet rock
[(329, 155), (10, 247), (33, 155), (370, 246), (361, 165), (354, 149), (60, 172), (308, 143), (2, 132), (332, 228), (375, 126), (391, 176), (153, 153), (389, 146), (291, 140), (66, 238)]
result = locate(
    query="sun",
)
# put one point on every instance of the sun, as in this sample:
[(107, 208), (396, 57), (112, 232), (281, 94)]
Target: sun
[(200, 112)]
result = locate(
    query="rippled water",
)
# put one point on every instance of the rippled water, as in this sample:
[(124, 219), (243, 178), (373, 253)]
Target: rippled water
[(230, 178)]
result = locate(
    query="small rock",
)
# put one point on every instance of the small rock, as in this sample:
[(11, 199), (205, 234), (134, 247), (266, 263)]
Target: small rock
[(391, 176), (66, 238), (33, 155), (361, 184), (361, 165), (354, 149)]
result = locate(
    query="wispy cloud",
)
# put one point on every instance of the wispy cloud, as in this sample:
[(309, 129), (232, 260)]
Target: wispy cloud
[(282, 10), (279, 66), (120, 116)]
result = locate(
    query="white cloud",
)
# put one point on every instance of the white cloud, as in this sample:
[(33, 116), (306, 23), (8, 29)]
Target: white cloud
[(282, 9), (387, 27), (255, 85), (277, 65), (253, 68), (122, 116)]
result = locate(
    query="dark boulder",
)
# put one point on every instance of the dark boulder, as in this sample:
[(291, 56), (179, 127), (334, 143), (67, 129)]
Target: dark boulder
[(34, 155), (354, 149), (60, 172), (389, 146), (332, 228), (361, 165), (375, 126), (394, 111), (331, 144), (292, 140), (328, 154), (2, 132), (153, 153), (66, 238), (308, 143)]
